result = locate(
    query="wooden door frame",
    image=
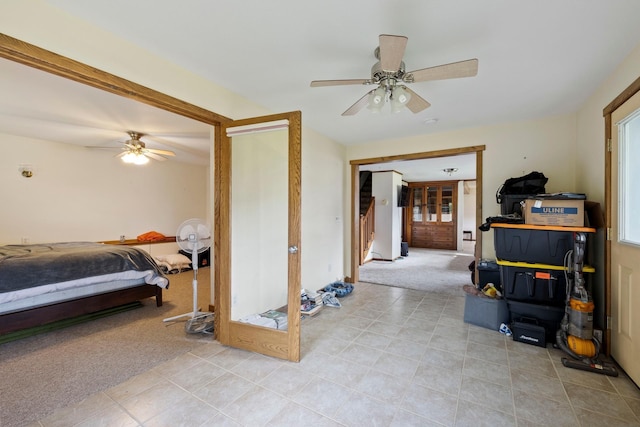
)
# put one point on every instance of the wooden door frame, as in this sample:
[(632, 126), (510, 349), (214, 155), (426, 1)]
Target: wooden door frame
[(623, 97), (355, 199)]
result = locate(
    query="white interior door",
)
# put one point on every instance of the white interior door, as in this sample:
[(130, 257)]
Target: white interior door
[(625, 237)]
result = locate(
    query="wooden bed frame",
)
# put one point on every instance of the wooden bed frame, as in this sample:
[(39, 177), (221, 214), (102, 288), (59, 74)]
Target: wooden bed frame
[(39, 316)]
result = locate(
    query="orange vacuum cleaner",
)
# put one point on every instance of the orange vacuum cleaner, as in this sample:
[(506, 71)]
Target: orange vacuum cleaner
[(575, 336)]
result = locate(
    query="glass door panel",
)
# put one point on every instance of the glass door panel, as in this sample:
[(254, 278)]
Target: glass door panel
[(417, 204), (259, 203), (432, 204), (447, 204)]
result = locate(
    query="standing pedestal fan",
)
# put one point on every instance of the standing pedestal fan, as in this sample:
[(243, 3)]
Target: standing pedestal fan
[(194, 237)]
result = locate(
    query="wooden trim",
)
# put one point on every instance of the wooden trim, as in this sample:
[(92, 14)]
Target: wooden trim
[(136, 242), (33, 56), (624, 96), (39, 316), (420, 156), (479, 216), (295, 235), (355, 224), (222, 234), (607, 243)]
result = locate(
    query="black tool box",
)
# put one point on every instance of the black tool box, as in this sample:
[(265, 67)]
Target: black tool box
[(529, 333)]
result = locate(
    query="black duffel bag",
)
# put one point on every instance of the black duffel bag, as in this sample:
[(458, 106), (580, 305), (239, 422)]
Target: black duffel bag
[(532, 183)]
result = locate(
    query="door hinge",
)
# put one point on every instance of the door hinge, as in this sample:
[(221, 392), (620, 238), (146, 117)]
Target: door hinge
[(608, 323), (609, 145)]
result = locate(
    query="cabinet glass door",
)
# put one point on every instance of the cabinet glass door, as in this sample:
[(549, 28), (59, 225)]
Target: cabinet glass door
[(417, 204), (446, 204), (432, 204)]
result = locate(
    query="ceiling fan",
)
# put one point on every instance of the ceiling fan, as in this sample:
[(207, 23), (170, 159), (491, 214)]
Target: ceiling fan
[(390, 76), (136, 152)]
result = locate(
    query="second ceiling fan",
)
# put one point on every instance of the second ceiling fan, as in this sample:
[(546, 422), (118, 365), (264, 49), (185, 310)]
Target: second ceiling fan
[(390, 76), (136, 152)]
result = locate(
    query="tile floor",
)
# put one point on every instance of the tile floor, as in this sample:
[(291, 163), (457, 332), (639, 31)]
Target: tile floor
[(388, 357)]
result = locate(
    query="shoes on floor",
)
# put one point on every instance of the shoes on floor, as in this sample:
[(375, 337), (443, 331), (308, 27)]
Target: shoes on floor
[(504, 329), (329, 299), (341, 289)]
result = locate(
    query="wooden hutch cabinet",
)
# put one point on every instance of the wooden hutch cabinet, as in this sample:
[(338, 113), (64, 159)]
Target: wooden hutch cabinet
[(431, 217)]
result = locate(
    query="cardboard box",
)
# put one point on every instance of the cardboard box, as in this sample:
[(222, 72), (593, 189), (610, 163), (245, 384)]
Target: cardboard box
[(561, 212)]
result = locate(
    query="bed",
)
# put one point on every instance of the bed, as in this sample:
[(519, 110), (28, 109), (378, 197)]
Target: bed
[(43, 283)]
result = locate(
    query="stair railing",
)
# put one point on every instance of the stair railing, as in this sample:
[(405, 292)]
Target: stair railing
[(367, 230)]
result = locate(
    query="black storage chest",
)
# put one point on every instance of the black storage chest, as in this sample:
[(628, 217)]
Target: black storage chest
[(522, 243)]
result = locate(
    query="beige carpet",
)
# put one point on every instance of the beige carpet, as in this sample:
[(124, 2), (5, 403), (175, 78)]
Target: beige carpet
[(42, 373), (431, 270)]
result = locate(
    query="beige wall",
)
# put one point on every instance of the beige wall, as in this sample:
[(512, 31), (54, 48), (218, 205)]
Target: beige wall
[(81, 194)]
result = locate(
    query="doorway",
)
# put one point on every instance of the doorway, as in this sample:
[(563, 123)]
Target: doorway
[(477, 151)]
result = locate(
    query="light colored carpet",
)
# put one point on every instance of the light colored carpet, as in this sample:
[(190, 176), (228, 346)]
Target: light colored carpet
[(431, 270), (42, 373)]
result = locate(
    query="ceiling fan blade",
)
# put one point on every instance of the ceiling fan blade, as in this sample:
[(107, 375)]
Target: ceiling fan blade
[(416, 102), (359, 105), (162, 152), (319, 83), (96, 147), (154, 156), (468, 68), (391, 51)]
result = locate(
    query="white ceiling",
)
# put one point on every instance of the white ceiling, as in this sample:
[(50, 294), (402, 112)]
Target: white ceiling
[(537, 58)]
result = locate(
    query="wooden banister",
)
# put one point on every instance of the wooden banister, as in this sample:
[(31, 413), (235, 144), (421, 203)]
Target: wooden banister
[(367, 230)]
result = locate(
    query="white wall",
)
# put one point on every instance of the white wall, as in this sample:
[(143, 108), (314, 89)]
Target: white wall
[(469, 213), (81, 194), (388, 216)]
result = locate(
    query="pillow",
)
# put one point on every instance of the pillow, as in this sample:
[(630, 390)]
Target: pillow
[(176, 260)]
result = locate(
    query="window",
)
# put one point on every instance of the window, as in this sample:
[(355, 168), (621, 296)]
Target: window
[(629, 179)]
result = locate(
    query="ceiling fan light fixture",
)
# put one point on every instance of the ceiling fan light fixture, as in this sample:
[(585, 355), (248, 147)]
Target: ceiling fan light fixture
[(450, 170), (399, 98), (135, 158), (377, 99), (141, 159)]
